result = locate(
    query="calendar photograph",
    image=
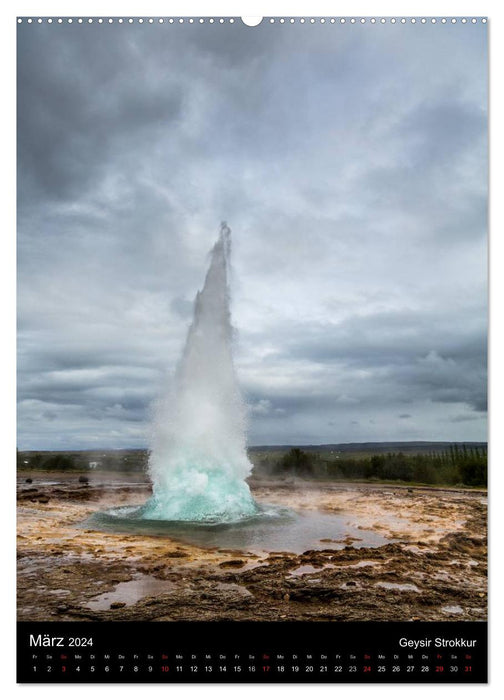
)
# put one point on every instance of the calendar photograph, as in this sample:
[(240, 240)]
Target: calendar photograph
[(252, 344)]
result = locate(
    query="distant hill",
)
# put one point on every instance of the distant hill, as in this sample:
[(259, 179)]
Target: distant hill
[(409, 447)]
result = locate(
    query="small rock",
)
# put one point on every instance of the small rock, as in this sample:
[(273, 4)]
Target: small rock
[(28, 481), (286, 596), (83, 480), (117, 604), (232, 563)]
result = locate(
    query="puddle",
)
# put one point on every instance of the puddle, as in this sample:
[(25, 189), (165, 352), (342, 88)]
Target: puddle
[(273, 529), (398, 586), (416, 549), (130, 592), (360, 564), (309, 569), (250, 565), (442, 575), (453, 609)]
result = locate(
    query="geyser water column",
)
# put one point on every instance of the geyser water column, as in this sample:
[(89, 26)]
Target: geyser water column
[(198, 463)]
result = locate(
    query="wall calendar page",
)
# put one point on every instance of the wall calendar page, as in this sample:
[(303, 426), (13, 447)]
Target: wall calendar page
[(252, 343)]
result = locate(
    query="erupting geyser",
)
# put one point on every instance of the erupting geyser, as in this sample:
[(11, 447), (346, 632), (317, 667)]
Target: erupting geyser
[(198, 464)]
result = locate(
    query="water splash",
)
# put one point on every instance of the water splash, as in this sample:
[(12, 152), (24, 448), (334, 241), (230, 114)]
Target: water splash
[(198, 464)]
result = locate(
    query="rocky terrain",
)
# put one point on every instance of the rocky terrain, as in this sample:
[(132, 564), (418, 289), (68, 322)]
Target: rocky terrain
[(432, 567)]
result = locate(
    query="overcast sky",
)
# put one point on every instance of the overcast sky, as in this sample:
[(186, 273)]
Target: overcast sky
[(350, 163)]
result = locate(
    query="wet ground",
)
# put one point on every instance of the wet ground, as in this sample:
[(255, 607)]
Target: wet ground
[(374, 553)]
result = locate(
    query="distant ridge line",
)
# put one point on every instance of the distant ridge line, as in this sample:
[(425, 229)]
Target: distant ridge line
[(339, 446), (365, 446)]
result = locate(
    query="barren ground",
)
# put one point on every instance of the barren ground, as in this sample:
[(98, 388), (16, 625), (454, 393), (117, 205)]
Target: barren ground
[(433, 567)]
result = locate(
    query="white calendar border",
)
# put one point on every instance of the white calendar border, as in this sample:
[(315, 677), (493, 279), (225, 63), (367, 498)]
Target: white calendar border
[(9, 11)]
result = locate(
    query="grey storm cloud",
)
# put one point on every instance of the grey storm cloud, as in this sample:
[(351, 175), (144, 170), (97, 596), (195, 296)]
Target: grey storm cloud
[(351, 165)]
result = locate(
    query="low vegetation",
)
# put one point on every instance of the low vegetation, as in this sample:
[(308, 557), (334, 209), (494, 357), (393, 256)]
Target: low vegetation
[(443, 464), (106, 460), (458, 465)]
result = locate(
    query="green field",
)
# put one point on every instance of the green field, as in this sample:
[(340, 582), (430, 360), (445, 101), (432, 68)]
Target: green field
[(431, 463)]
